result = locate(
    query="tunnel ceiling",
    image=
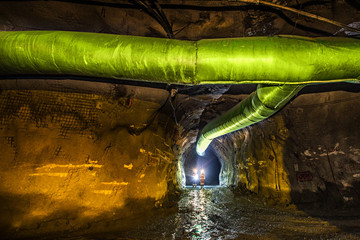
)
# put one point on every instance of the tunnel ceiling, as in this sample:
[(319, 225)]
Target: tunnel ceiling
[(184, 20)]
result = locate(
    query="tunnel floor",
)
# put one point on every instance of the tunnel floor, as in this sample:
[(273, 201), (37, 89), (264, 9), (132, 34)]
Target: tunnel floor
[(216, 213)]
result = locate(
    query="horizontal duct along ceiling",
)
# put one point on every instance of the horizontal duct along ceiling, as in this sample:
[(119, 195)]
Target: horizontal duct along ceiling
[(282, 65), (270, 60)]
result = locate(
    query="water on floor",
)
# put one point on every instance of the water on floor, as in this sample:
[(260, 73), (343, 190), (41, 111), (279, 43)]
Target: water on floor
[(216, 213)]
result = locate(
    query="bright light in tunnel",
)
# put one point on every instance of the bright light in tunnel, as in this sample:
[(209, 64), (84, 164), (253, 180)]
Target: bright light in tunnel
[(197, 165)]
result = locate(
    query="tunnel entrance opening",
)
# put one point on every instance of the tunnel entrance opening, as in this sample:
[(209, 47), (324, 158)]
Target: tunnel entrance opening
[(209, 163)]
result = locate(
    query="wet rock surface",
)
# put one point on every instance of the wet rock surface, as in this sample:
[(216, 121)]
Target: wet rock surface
[(218, 213)]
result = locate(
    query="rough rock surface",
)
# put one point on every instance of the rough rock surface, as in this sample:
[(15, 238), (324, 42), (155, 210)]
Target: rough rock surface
[(308, 153), (70, 159)]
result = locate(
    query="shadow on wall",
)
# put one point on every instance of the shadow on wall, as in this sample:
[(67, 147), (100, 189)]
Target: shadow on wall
[(323, 156), (21, 219), (307, 155)]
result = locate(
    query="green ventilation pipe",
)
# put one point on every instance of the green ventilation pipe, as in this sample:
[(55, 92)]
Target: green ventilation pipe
[(285, 63), (271, 60), (261, 104)]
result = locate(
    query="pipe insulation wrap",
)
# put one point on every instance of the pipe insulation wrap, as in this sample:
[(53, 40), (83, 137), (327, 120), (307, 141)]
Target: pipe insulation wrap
[(283, 63), (277, 60), (97, 55), (259, 105), (271, 60)]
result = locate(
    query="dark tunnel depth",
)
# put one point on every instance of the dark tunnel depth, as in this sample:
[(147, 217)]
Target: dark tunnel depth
[(209, 163)]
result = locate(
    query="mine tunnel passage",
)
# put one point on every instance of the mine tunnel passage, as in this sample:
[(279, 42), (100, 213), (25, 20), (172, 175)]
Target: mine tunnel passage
[(209, 163)]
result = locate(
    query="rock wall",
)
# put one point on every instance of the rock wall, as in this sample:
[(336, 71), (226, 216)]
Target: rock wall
[(307, 154), (261, 160), (73, 161), (189, 109), (188, 19), (322, 151)]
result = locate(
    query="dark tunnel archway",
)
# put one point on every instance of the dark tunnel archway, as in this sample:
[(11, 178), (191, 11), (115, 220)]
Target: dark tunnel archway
[(210, 163)]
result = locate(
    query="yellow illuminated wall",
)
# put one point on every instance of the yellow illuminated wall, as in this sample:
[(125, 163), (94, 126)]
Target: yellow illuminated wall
[(68, 159)]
